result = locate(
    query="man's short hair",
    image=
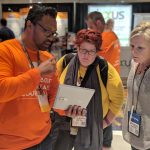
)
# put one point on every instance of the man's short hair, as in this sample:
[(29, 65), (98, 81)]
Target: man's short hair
[(95, 15), (3, 22), (38, 11)]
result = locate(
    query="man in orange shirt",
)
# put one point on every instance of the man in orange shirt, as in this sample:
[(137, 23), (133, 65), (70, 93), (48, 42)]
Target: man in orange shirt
[(28, 84), (111, 46), (110, 50)]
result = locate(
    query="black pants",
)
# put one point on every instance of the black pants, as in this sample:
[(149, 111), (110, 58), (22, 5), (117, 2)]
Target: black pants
[(65, 141), (107, 136)]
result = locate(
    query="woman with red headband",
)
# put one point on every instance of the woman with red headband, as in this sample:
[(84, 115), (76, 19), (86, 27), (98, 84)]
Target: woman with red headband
[(85, 69)]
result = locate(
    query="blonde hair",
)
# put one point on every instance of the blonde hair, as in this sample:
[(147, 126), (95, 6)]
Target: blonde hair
[(142, 29)]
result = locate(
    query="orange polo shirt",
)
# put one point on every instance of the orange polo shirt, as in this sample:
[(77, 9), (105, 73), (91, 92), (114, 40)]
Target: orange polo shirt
[(22, 124), (110, 49)]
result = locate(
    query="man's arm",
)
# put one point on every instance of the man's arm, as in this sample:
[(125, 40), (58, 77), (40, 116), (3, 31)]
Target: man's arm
[(14, 86)]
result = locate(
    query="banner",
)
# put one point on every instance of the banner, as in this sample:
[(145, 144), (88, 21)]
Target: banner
[(121, 14)]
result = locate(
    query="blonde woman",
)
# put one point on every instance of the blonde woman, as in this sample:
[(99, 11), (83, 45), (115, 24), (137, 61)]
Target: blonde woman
[(136, 129)]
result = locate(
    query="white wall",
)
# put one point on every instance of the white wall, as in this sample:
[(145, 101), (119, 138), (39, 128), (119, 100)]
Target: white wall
[(139, 17), (125, 61)]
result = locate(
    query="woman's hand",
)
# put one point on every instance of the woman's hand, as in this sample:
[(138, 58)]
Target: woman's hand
[(104, 124), (75, 110)]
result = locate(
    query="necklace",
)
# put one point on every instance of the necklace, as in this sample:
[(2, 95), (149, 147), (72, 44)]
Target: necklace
[(81, 73), (142, 68), (80, 78)]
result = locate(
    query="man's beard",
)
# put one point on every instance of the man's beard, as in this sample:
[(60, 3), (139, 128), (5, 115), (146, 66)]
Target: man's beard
[(44, 46)]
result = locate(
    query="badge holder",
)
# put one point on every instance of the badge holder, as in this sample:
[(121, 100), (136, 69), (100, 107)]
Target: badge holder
[(79, 121), (134, 122), (73, 130), (76, 122), (43, 102)]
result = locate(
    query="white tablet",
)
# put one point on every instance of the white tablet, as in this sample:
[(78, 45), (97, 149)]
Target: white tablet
[(72, 95)]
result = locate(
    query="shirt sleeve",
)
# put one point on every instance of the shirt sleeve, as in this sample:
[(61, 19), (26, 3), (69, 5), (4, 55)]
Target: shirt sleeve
[(14, 86), (115, 90)]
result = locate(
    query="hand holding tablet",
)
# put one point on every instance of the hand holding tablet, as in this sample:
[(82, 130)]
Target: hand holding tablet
[(68, 95)]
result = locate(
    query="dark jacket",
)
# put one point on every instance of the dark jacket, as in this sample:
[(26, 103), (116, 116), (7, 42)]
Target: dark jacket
[(6, 34)]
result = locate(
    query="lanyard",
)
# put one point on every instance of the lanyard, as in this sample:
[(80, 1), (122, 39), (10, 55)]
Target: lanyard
[(137, 98), (27, 54), (39, 89)]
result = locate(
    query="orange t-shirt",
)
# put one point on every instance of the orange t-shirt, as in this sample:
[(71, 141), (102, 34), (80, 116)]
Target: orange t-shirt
[(110, 49), (22, 124)]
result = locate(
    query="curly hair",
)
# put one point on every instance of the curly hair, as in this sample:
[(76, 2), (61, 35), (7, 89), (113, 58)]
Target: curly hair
[(38, 11), (142, 29), (91, 36)]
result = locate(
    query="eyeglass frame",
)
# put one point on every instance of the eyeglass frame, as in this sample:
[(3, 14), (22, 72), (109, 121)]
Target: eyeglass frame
[(87, 52), (48, 32)]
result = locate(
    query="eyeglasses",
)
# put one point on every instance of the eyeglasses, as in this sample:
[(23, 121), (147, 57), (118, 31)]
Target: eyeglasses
[(85, 51), (48, 32)]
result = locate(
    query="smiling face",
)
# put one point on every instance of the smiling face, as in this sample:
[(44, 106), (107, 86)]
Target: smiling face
[(87, 53), (140, 49)]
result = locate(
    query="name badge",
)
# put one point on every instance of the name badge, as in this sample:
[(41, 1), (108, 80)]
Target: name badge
[(43, 102), (79, 121), (134, 123), (73, 130)]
